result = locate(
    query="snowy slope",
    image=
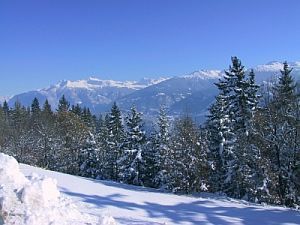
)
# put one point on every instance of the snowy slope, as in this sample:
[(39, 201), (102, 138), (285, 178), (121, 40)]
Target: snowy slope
[(143, 206), (35, 200)]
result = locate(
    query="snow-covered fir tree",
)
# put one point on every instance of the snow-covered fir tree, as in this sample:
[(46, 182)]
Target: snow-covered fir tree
[(101, 139), (73, 134), (219, 133), (188, 171), (161, 149), (63, 104), (49, 137), (132, 164), (18, 136), (230, 125), (248, 173), (280, 128), (221, 130), (115, 142), (35, 140), (90, 158)]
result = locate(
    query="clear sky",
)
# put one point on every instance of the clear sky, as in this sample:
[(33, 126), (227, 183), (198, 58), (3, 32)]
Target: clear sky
[(42, 42)]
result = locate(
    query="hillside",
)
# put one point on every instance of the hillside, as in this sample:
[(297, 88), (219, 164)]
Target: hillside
[(137, 205)]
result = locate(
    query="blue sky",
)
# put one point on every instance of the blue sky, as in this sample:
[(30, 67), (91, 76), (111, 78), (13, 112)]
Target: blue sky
[(42, 42)]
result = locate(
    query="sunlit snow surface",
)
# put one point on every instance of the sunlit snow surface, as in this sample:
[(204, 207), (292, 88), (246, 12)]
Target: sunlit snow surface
[(35, 200), (144, 206)]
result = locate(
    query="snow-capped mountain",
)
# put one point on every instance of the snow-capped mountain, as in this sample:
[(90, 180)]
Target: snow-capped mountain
[(94, 93), (272, 69), (191, 93)]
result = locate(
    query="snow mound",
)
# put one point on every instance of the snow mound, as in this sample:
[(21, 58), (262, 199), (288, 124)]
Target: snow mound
[(10, 173), (36, 200), (40, 192)]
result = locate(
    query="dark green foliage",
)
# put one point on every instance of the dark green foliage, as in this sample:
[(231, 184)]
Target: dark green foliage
[(63, 105), (76, 109), (35, 108)]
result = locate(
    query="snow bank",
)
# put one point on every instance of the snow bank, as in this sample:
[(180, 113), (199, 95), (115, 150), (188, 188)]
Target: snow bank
[(36, 200), (10, 173)]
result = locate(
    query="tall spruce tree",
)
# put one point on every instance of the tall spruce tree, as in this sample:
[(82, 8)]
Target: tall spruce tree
[(161, 148), (103, 146), (229, 125), (90, 158), (73, 134), (19, 120), (115, 143), (188, 169), (249, 174), (35, 108), (6, 110), (132, 162), (221, 124), (76, 109), (35, 132), (49, 137), (63, 105), (283, 136)]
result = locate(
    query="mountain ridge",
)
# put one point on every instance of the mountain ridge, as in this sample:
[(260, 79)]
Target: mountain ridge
[(193, 91)]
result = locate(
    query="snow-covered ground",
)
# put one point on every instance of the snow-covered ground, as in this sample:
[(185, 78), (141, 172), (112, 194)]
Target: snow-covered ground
[(35, 200), (144, 206)]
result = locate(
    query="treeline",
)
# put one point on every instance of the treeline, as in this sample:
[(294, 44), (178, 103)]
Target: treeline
[(248, 148)]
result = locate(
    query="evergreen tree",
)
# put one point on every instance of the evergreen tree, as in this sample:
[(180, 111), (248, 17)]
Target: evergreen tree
[(90, 158), (115, 140), (49, 137), (35, 132), (221, 126), (88, 119), (230, 129), (73, 134), (188, 171), (102, 135), (161, 150), (63, 104), (219, 134), (6, 110), (35, 108), (76, 109), (248, 175), (18, 142), (282, 134), (132, 164), (47, 111), (4, 129)]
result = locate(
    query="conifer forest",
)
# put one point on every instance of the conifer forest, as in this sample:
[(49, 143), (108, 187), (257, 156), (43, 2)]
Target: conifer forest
[(248, 147)]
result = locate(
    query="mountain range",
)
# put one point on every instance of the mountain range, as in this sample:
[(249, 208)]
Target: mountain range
[(192, 93)]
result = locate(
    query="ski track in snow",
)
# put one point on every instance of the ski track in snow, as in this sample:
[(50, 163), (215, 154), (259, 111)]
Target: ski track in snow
[(132, 205)]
